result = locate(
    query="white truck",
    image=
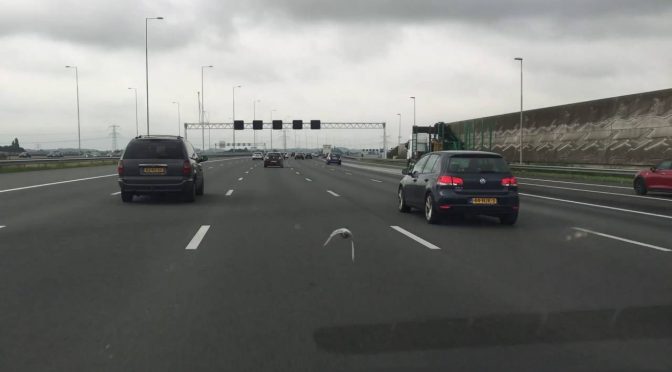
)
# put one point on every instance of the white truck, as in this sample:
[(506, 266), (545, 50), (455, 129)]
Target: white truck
[(326, 150)]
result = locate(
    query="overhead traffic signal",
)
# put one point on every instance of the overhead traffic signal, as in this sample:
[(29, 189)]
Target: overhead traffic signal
[(257, 124), (297, 124), (315, 124), (277, 124), (238, 125)]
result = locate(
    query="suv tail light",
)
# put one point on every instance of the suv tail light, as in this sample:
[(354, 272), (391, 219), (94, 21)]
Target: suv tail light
[(186, 168), (509, 181), (120, 167), (449, 181)]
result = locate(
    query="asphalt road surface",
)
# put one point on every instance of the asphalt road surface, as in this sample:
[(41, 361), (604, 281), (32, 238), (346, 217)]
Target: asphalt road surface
[(241, 280)]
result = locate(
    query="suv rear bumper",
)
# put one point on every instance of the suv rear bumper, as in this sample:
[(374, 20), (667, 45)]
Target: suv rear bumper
[(139, 187)]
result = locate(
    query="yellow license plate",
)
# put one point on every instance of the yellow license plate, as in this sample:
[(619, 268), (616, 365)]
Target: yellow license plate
[(484, 201), (158, 170)]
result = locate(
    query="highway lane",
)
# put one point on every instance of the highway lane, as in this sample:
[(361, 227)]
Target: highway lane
[(94, 284)]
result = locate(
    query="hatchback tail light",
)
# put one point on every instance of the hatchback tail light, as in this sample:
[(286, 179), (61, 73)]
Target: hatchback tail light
[(120, 167), (186, 168), (449, 181), (509, 181)]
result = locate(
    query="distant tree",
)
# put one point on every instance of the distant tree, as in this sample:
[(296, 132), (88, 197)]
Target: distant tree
[(15, 143)]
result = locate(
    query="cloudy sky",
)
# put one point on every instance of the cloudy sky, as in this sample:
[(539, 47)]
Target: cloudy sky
[(338, 61)]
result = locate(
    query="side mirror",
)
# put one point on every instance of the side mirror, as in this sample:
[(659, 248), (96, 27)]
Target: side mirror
[(653, 169), (404, 171), (204, 158)]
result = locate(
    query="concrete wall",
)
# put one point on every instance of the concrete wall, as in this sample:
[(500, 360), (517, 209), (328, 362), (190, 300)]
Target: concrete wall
[(628, 130)]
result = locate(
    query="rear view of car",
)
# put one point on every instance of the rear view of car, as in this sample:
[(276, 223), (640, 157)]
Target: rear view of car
[(463, 183), (299, 155), (273, 159), (160, 164), (257, 156), (333, 159)]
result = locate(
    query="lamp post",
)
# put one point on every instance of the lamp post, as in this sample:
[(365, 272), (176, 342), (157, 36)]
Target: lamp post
[(79, 133), (178, 116), (147, 67), (521, 108), (272, 128), (399, 138), (234, 115), (202, 112), (254, 117), (413, 98), (137, 130)]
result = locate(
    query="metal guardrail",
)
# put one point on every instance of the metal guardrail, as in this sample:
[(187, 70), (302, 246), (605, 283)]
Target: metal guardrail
[(621, 172), (45, 163), (576, 169)]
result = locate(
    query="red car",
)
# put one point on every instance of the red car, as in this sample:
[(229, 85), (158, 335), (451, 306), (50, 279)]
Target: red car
[(658, 178)]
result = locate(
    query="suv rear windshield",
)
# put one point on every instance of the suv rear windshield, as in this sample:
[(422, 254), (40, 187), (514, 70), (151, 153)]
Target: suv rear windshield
[(477, 164), (154, 149)]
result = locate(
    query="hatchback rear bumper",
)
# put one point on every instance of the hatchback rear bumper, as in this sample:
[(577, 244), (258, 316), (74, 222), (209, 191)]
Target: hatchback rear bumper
[(459, 204)]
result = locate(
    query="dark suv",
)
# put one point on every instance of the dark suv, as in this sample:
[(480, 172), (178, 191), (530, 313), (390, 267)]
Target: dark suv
[(275, 159), (460, 182), (160, 164)]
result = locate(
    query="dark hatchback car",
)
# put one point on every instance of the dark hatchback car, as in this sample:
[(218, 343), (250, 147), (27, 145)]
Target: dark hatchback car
[(274, 159), (299, 155), (462, 183), (160, 164), (658, 178), (334, 159)]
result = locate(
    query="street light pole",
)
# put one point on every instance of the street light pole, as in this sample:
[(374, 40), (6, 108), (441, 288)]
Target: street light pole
[(254, 117), (399, 138), (79, 136), (272, 128), (136, 111), (147, 67), (521, 108), (234, 115), (202, 113), (413, 98), (178, 117)]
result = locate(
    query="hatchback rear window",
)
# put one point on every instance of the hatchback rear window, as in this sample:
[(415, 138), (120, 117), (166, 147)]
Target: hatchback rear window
[(154, 149), (478, 164)]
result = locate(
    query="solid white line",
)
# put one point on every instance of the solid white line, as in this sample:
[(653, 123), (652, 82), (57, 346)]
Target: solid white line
[(240, 179), (379, 181), (415, 237), (622, 239), (56, 183), (196, 240), (309, 180), (575, 183), (228, 193), (595, 191), (598, 206), (209, 167), (115, 193), (333, 193)]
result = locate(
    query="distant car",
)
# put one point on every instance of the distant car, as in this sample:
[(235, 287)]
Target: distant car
[(460, 182), (25, 155), (299, 155), (658, 178), (309, 156), (55, 154), (334, 159), (273, 159), (257, 156), (160, 164)]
